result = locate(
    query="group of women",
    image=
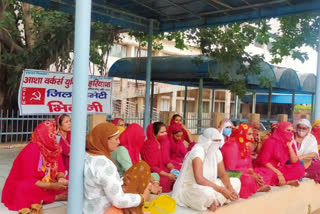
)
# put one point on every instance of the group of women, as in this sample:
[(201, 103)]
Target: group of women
[(122, 168)]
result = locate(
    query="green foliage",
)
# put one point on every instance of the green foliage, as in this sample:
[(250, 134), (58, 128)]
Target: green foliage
[(226, 45), (299, 108), (295, 32), (105, 36)]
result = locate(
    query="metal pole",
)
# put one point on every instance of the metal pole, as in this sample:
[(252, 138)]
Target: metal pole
[(317, 106), (79, 104), (312, 108), (292, 108), (148, 77), (212, 100), (236, 107), (151, 100), (185, 104), (200, 105), (254, 102)]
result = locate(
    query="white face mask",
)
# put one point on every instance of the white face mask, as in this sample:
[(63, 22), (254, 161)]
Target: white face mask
[(302, 133)]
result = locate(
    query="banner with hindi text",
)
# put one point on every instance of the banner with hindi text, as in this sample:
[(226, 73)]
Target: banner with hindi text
[(43, 92)]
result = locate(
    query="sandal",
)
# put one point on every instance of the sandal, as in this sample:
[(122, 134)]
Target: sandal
[(24, 211), (36, 209)]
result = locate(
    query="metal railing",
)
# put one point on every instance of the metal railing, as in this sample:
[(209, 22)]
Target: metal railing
[(16, 128)]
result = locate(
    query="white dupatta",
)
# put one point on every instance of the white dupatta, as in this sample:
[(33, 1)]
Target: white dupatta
[(205, 149)]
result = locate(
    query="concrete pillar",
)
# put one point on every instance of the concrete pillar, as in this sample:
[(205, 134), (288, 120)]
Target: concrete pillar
[(282, 118), (158, 101), (96, 119), (196, 101), (254, 102), (218, 116), (173, 100), (130, 51), (140, 104), (166, 116), (124, 85), (254, 117), (227, 104)]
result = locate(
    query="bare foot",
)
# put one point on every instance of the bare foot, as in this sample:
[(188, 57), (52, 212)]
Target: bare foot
[(62, 197), (294, 183), (214, 206), (265, 188)]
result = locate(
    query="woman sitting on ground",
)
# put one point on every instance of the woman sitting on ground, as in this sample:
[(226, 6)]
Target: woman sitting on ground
[(37, 175), (316, 132), (186, 136), (64, 130), (102, 184), (198, 185), (128, 152), (178, 150), (120, 123), (237, 156), (277, 161), (155, 152), (307, 149), (225, 129)]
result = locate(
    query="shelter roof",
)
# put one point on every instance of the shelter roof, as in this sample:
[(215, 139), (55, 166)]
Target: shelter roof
[(173, 15), (187, 70)]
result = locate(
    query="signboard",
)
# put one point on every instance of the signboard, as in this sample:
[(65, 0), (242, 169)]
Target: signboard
[(43, 92)]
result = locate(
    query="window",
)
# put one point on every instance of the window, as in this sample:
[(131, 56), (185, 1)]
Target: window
[(118, 51)]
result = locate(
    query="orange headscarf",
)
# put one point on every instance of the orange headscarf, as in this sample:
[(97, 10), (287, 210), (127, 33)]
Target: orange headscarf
[(96, 139)]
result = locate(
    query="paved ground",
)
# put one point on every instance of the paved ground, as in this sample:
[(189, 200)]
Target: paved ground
[(7, 157)]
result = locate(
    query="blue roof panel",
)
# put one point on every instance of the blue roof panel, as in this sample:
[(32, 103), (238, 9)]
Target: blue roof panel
[(173, 15)]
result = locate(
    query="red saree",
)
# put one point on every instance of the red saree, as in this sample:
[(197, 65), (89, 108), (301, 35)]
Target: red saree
[(20, 190), (157, 157)]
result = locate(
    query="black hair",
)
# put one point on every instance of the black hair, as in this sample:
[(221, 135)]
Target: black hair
[(175, 116), (61, 118), (157, 126)]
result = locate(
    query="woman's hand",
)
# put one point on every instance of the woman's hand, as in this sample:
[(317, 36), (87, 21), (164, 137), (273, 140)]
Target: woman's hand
[(282, 180), (231, 195), (58, 186), (156, 188), (147, 192), (289, 144), (63, 181), (256, 177), (170, 166), (172, 177)]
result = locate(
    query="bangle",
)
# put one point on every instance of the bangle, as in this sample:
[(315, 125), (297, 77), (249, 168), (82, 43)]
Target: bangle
[(142, 199)]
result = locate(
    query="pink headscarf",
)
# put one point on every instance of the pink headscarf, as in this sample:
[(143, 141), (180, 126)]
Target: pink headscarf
[(133, 139), (116, 120)]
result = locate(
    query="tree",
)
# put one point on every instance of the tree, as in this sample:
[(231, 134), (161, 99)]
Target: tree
[(227, 45), (33, 37)]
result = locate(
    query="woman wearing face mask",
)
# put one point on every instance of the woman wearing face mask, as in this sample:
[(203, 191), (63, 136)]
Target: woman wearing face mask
[(64, 130), (155, 152), (307, 149), (237, 156), (177, 148), (316, 132), (198, 185), (103, 187), (225, 128), (276, 151)]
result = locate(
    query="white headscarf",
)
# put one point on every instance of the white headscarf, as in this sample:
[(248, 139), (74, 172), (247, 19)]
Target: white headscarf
[(210, 165), (305, 122), (226, 124)]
